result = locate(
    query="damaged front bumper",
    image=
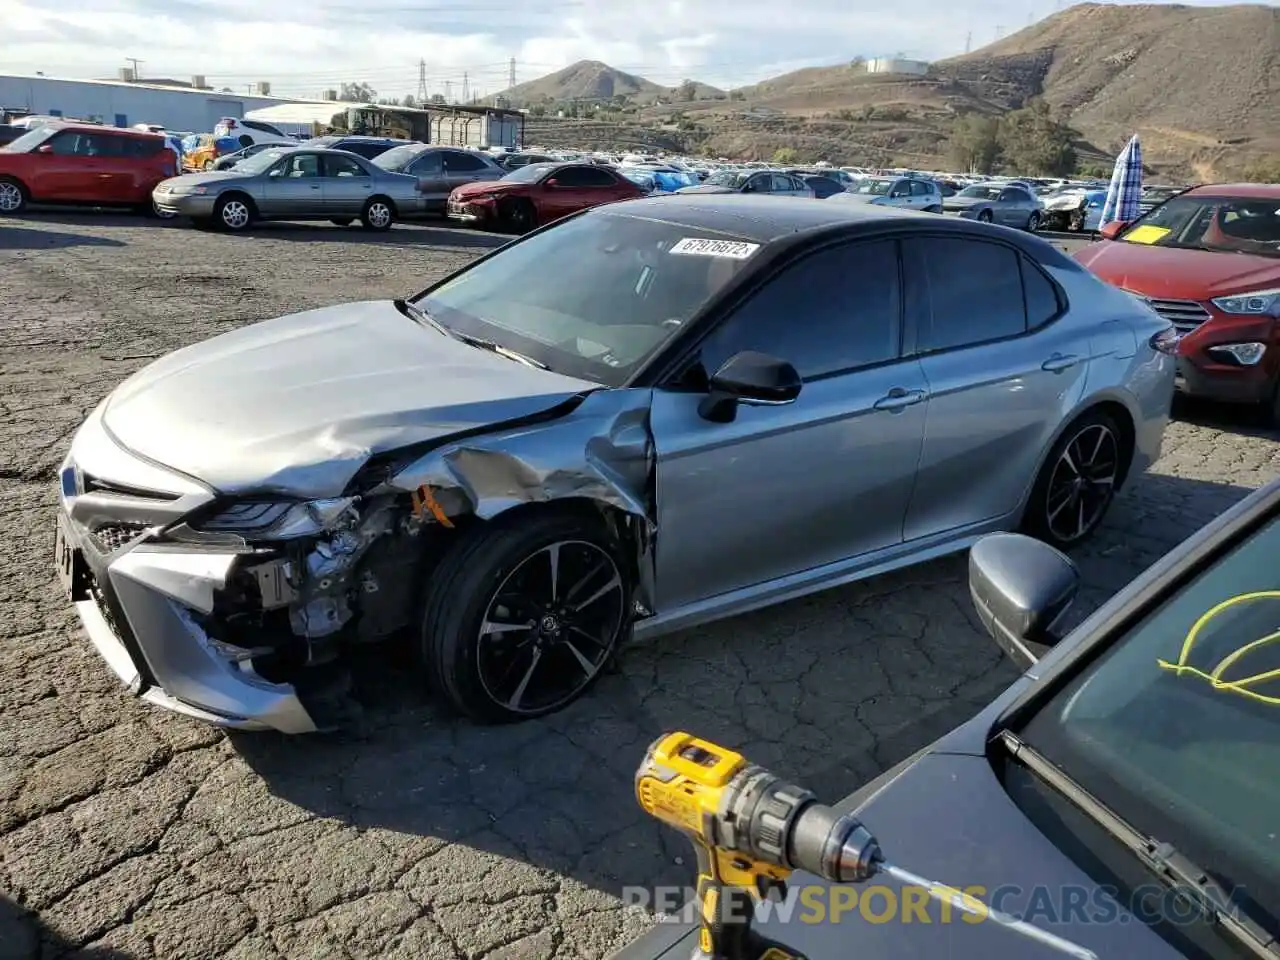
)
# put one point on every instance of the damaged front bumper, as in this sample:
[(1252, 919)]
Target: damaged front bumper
[(142, 604)]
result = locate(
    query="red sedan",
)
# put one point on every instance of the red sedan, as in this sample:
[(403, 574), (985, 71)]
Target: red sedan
[(1208, 261), (539, 193)]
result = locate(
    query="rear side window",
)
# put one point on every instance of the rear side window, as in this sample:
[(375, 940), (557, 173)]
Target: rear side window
[(143, 147), (1043, 301), (974, 290), (458, 162)]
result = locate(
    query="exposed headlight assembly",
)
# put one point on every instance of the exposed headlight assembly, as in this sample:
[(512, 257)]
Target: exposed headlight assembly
[(1255, 303), (279, 520)]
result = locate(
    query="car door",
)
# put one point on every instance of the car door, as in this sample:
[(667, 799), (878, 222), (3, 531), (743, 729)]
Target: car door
[(900, 194), (575, 188), (758, 183), (58, 171), (429, 169), (787, 488), (119, 180), (294, 187), (1012, 207), (1001, 376), (460, 168), (347, 185), (923, 195)]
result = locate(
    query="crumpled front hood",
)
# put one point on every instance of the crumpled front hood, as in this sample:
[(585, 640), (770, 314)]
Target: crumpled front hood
[(481, 188), (1170, 273), (297, 404)]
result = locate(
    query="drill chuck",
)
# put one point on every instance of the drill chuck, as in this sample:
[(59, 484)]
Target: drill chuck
[(766, 818)]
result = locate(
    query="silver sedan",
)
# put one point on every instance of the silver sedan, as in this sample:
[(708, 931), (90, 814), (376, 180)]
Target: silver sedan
[(1012, 205), (655, 414), (293, 184)]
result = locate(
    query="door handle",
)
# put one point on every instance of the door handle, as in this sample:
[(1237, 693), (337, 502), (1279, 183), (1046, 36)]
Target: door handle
[(315, 186), (900, 399), (1060, 362)]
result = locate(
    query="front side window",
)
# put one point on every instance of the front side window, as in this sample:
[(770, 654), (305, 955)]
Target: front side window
[(301, 166), (1177, 726), (877, 188), (594, 298), (975, 293), (837, 309)]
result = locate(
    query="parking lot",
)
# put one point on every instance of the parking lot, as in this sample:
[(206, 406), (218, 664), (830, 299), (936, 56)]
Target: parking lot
[(413, 834)]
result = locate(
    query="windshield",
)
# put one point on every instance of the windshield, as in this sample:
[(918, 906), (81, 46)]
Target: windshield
[(878, 188), (594, 298), (1227, 224), (980, 191), (1177, 727), (528, 173), (397, 158), (30, 140), (259, 162)]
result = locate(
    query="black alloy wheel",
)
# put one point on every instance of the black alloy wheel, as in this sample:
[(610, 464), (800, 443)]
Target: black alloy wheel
[(521, 618), (984, 216), (1078, 482)]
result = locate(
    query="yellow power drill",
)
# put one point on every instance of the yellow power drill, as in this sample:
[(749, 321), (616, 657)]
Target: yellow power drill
[(751, 829)]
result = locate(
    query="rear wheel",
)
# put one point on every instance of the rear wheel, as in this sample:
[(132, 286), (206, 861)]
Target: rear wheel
[(522, 617), (234, 213), (378, 214), (13, 196), (1033, 222), (1077, 482)]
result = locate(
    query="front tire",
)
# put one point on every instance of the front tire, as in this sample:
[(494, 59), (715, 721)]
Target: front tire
[(1077, 482), (13, 197), (984, 216), (234, 213), (517, 215), (932, 209), (522, 616), (1033, 222)]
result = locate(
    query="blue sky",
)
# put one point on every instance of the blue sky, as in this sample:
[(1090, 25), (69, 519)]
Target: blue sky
[(306, 47)]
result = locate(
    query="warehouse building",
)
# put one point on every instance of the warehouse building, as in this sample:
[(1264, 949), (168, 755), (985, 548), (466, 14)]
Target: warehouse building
[(188, 107)]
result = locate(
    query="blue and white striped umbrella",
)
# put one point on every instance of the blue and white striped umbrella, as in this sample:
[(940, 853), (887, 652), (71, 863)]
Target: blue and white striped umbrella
[(1126, 185)]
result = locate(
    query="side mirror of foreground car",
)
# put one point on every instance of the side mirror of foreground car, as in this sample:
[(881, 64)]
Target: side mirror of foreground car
[(1021, 588), (751, 378)]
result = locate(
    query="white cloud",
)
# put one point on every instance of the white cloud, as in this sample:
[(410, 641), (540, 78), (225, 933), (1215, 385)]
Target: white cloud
[(306, 47)]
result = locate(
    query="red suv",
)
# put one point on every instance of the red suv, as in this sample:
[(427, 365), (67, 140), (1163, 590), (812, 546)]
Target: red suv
[(83, 163), (1208, 261)]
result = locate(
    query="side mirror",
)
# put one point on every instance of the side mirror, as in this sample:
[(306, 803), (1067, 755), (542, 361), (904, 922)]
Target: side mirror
[(276, 173), (751, 378), (1112, 229), (552, 183), (45, 148), (1021, 588)]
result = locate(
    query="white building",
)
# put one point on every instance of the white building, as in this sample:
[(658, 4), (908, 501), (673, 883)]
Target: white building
[(917, 68), (194, 109)]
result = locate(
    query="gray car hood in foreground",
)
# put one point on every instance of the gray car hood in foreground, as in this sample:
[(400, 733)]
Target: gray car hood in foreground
[(296, 405)]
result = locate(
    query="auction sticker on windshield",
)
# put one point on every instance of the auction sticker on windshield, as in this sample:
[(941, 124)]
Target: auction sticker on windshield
[(732, 249), (1145, 234)]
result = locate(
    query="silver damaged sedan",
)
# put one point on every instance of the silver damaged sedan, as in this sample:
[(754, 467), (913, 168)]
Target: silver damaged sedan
[(292, 183), (712, 404)]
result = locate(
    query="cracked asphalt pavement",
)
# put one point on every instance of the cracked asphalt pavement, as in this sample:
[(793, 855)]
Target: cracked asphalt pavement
[(126, 832)]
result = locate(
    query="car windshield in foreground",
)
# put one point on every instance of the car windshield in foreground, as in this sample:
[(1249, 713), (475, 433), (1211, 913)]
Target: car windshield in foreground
[(878, 188), (260, 162), (980, 192), (1227, 224), (529, 173), (30, 140), (397, 158), (594, 298), (1176, 728)]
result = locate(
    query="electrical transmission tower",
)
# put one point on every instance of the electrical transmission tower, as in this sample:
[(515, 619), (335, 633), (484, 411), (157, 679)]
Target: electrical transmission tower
[(511, 73), (422, 81), (466, 88), (999, 32), (968, 41)]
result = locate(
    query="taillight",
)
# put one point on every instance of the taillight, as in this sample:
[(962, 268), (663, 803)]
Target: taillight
[(1166, 342)]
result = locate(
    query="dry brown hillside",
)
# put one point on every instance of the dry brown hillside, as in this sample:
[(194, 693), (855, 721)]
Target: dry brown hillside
[(593, 80), (1193, 81)]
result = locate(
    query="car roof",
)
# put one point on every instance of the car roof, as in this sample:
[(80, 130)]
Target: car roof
[(762, 219), (99, 128), (1251, 191)]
